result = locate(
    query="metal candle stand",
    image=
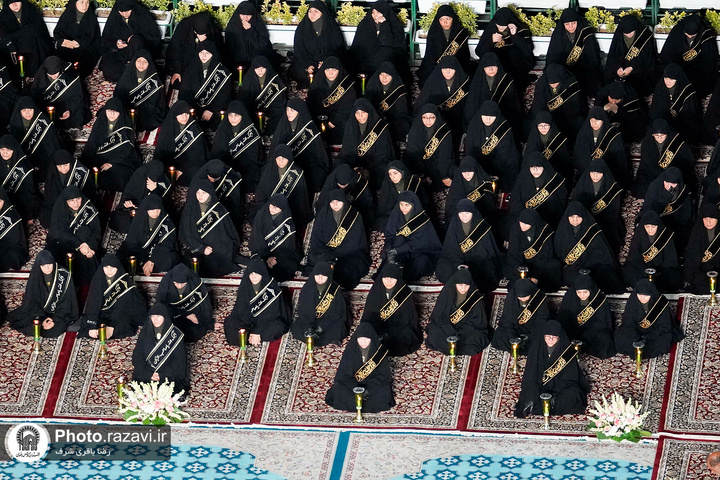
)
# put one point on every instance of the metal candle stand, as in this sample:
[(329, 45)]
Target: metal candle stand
[(452, 345), (359, 391)]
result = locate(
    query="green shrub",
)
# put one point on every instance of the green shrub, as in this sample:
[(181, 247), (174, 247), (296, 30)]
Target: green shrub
[(599, 16), (713, 19), (465, 13), (541, 24), (350, 15)]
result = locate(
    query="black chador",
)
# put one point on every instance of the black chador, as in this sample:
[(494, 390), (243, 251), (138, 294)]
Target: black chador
[(57, 85), (259, 308), (246, 37), (24, 33), (623, 105), (67, 171), (711, 184), (585, 315), (602, 196), (185, 40), (273, 238), (598, 138), (17, 176), (141, 88), (691, 44), (339, 237), (580, 244), (375, 43), (552, 367), (8, 96), (13, 243), (207, 230), (525, 310), (49, 297), (186, 296), (367, 143), (399, 178), (410, 238), (365, 364), (298, 131), (491, 141), (531, 246), (316, 39), (653, 246), (473, 183), (492, 83), (701, 254), (388, 94), (676, 101), (647, 320), (632, 55), (547, 139), (77, 37), (442, 41), (469, 242), (390, 310), (111, 147), (181, 143), (541, 188), (36, 133), (228, 187), (430, 148), (149, 179), (321, 310), (152, 238), (206, 84), (559, 93), (332, 94), (668, 196), (711, 120), (356, 190), (160, 353), (114, 301), (263, 90), (125, 34)]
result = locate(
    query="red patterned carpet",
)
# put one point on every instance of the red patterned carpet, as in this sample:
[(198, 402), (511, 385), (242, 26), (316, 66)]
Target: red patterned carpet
[(683, 459)]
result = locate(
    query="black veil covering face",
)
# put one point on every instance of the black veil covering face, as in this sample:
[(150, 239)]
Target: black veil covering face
[(390, 100), (274, 237), (49, 298), (82, 28), (567, 385), (520, 318), (452, 42), (375, 43), (606, 142), (189, 305), (185, 39), (623, 105), (554, 144), (148, 179), (637, 51), (38, 136), (701, 254), (26, 35), (334, 98), (356, 370), (243, 44), (13, 242), (670, 198), (491, 82), (65, 93), (18, 178), (143, 91), (266, 94), (228, 188), (546, 193), (75, 173), (430, 149), (558, 92), (478, 189), (679, 104)]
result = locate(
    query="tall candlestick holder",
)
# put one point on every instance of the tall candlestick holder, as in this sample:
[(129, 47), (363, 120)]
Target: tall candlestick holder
[(545, 397), (712, 275), (309, 343), (120, 390), (363, 78), (359, 391), (638, 346), (650, 272), (515, 345), (102, 336), (240, 72), (452, 346), (36, 336), (243, 345)]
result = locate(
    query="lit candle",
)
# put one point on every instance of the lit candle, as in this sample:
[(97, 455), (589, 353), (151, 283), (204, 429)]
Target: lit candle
[(51, 112), (545, 397), (359, 391), (260, 120), (102, 336), (515, 343), (195, 264), (523, 272), (69, 261), (21, 59), (132, 116), (362, 83), (240, 69), (132, 213), (96, 171), (120, 385), (76, 65), (36, 335), (311, 75), (243, 338), (171, 171), (192, 112), (133, 264), (222, 115), (494, 184)]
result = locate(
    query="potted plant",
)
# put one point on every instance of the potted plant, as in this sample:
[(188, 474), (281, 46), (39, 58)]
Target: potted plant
[(618, 420), (667, 22), (51, 11), (281, 22), (159, 8), (613, 4), (221, 14), (541, 26), (467, 15), (712, 17), (536, 3), (603, 21), (349, 17), (427, 6)]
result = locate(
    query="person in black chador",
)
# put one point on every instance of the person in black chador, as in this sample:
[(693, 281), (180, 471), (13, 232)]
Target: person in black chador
[(547, 139), (380, 37), (246, 36), (552, 367), (711, 120), (181, 143), (228, 187), (36, 133), (111, 147), (711, 182), (390, 310), (160, 354), (141, 88), (260, 308), (17, 178), (573, 45), (355, 188), (264, 91), (410, 238), (321, 309), (430, 148), (273, 238), (473, 183), (207, 230), (332, 94), (469, 243), (25, 34), (399, 178), (131, 27), (491, 141), (492, 83), (68, 171), (149, 179), (525, 310), (13, 243), (317, 37), (676, 101), (364, 363), (8, 96), (49, 297), (653, 246), (669, 197), (185, 40), (531, 246), (367, 144), (558, 92), (623, 105), (691, 44), (186, 296), (598, 138), (388, 94), (206, 84), (152, 238), (647, 319), (298, 131), (601, 195), (585, 315), (632, 56), (539, 187), (701, 254), (339, 236), (113, 301), (447, 37), (510, 39), (77, 36)]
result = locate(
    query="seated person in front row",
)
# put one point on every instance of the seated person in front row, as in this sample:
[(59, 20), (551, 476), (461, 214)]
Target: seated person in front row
[(701, 254), (49, 297), (273, 238), (321, 310), (525, 310), (186, 296), (13, 243), (653, 246), (552, 367)]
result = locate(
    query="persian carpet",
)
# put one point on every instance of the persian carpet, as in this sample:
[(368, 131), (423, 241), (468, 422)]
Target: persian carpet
[(683, 459)]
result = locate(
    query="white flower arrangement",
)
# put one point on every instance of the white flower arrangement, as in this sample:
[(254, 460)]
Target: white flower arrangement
[(618, 420), (152, 403)]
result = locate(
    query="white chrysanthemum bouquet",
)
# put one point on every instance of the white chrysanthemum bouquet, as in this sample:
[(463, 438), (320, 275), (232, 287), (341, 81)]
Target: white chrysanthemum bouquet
[(618, 420), (151, 403)]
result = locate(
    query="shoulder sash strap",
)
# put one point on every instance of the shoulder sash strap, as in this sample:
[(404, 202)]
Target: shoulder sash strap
[(679, 102), (212, 85), (161, 232), (538, 244), (562, 362), (390, 99), (279, 234), (582, 244), (116, 290), (552, 147), (435, 141), (210, 220), (342, 230), (605, 142), (364, 371), (657, 246), (592, 307), (578, 46), (187, 137), (242, 141), (700, 40), (164, 348), (395, 302), (191, 300), (326, 300), (545, 192), (7, 223), (657, 309), (304, 137), (346, 84), (288, 181), (371, 137), (602, 203), (469, 303), (457, 42), (264, 298), (641, 41), (505, 83), (413, 225), (145, 90), (526, 314), (494, 139), (480, 230), (670, 151), (558, 100), (677, 203), (60, 284), (454, 99), (269, 94)]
